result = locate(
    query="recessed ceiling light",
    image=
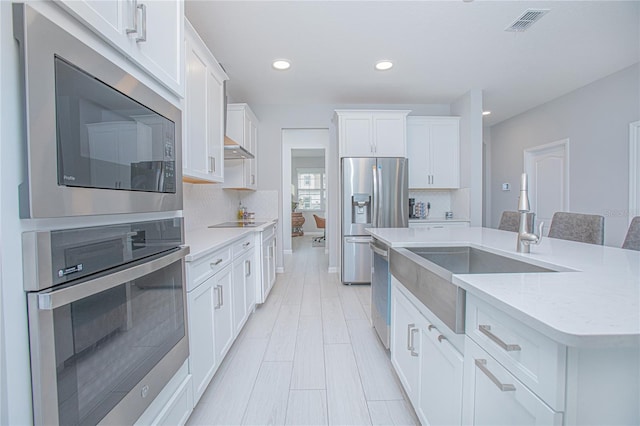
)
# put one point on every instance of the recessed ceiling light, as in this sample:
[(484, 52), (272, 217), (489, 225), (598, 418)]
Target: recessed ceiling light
[(486, 112), (384, 65), (281, 64)]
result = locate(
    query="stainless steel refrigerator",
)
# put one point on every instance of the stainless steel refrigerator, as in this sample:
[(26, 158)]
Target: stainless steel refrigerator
[(374, 194)]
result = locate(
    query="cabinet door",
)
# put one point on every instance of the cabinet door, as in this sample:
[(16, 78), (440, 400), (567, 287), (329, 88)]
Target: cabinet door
[(201, 303), (356, 138), (445, 153), (405, 335), (251, 274), (223, 312), (272, 264), (389, 139), (441, 367), (239, 294), (499, 398), (215, 126), (418, 152), (158, 43), (195, 114)]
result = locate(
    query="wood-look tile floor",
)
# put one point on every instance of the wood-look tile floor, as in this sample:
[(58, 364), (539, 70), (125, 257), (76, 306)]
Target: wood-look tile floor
[(307, 356)]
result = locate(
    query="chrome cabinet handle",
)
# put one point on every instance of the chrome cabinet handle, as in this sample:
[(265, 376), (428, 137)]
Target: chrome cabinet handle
[(409, 327), (134, 15), (218, 296), (212, 164), (377, 250), (431, 327), (245, 245), (504, 387), (221, 296), (486, 330), (247, 268), (143, 36), (441, 338), (216, 263)]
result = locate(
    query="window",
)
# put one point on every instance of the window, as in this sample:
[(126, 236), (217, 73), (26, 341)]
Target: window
[(312, 189)]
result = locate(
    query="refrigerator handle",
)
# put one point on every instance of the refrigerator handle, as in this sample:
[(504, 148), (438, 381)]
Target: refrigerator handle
[(379, 199), (374, 220)]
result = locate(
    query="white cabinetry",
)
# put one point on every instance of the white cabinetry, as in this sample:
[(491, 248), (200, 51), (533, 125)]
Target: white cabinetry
[(203, 142), (224, 329), (244, 281), (242, 128), (148, 32), (268, 263), (433, 149), (429, 367), (438, 225), (372, 133)]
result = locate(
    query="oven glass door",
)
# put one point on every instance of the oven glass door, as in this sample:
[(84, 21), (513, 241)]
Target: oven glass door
[(108, 140), (105, 343)]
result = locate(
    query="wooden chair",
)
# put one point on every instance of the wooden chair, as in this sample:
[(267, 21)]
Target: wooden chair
[(585, 228), (510, 221), (320, 223), (632, 240)]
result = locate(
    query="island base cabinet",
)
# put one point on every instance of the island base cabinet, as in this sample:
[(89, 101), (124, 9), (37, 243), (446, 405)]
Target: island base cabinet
[(495, 397), (441, 368), (403, 341)]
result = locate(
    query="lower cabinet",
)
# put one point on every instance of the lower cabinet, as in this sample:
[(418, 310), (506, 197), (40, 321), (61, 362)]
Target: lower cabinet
[(244, 288), (498, 398), (224, 330), (429, 367)]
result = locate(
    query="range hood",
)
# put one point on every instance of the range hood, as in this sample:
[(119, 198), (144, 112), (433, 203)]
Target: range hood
[(233, 151)]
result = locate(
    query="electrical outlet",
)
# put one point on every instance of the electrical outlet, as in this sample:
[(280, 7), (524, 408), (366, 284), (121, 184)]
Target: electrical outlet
[(506, 187)]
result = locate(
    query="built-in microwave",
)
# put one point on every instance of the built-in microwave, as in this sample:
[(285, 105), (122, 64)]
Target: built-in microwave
[(98, 141)]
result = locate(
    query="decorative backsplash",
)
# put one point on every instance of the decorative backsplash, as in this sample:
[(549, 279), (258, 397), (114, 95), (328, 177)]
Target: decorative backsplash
[(206, 205)]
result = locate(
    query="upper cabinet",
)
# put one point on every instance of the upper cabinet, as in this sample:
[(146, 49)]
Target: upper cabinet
[(433, 149), (203, 142), (242, 128), (149, 32), (372, 133)]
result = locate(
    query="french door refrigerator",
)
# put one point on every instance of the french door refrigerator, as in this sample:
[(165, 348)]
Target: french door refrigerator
[(374, 194)]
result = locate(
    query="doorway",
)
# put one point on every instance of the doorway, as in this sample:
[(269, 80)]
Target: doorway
[(548, 170), (305, 184)]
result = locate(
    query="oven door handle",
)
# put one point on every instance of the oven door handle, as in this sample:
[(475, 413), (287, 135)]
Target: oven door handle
[(64, 296), (377, 250)]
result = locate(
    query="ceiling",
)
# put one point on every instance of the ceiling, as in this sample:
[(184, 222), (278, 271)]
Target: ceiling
[(441, 50)]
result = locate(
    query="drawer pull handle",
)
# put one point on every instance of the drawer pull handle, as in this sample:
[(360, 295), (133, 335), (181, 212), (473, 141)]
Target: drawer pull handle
[(218, 289), (441, 338), (486, 330), (216, 263), (246, 244), (409, 327), (504, 387), (431, 327)]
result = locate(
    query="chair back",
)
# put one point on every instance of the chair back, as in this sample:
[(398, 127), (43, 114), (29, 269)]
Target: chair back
[(585, 228), (632, 240), (510, 221), (320, 221)]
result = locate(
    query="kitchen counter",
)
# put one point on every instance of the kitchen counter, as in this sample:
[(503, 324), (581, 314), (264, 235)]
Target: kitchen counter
[(596, 303), (437, 220), (203, 241)]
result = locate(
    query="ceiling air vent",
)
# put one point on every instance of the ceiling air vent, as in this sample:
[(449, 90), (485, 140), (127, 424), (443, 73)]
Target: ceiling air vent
[(524, 21)]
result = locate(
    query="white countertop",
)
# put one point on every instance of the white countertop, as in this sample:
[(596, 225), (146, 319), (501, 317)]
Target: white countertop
[(203, 241), (437, 220), (596, 305)]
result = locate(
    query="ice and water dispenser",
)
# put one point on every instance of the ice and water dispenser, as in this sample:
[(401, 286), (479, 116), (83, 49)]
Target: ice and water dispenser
[(361, 208)]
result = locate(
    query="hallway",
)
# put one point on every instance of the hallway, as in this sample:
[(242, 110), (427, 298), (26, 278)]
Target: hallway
[(308, 356)]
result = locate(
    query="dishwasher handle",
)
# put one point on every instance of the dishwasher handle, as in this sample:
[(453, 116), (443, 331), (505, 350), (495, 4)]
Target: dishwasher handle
[(365, 240), (377, 250)]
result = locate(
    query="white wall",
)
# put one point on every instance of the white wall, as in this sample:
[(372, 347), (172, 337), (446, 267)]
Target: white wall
[(274, 118), (596, 120)]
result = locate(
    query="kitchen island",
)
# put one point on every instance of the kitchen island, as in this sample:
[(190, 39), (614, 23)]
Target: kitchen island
[(539, 348)]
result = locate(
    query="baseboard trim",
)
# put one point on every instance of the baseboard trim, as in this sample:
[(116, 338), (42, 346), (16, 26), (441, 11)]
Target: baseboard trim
[(279, 270), (287, 251), (332, 270)]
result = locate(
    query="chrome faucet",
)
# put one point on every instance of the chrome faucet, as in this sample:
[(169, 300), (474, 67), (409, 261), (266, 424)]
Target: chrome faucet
[(526, 237)]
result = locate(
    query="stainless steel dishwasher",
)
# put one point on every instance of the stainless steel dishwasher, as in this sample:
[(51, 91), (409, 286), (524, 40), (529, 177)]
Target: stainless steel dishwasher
[(380, 290)]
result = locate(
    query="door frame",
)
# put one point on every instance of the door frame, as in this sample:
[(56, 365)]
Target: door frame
[(634, 170), (559, 145), (287, 147)]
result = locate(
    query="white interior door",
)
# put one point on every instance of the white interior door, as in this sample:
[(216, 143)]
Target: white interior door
[(548, 170)]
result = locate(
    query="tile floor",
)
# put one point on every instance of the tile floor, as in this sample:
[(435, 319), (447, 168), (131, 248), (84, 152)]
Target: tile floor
[(308, 356)]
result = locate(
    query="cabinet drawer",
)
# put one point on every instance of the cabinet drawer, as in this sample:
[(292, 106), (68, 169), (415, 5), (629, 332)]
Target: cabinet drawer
[(498, 397), (243, 246), (200, 270), (536, 360)]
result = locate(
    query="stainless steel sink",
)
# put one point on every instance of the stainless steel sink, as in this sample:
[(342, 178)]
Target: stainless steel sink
[(427, 273)]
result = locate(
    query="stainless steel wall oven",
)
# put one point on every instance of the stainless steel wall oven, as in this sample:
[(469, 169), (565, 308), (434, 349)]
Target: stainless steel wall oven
[(98, 141), (107, 321)]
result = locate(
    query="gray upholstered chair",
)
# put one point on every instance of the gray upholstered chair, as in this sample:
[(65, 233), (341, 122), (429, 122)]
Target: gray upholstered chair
[(510, 221), (632, 240), (585, 228)]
